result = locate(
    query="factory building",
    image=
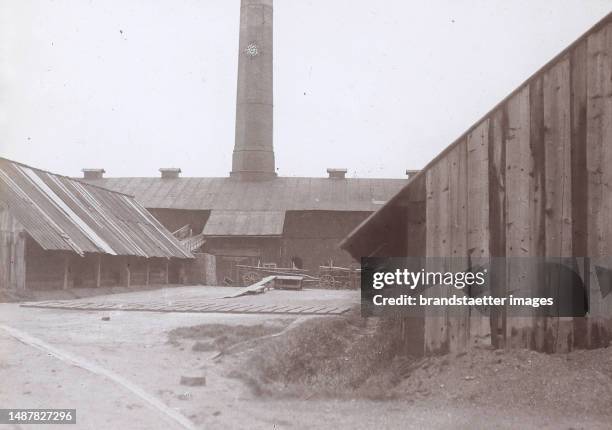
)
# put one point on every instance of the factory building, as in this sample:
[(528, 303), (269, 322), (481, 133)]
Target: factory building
[(254, 217)]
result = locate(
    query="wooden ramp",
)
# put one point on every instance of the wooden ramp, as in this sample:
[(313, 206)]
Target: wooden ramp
[(284, 282), (256, 288)]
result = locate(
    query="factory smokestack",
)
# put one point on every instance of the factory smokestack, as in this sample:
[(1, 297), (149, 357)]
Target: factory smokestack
[(253, 157)]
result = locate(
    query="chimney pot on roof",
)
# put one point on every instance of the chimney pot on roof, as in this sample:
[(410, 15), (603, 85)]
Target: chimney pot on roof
[(170, 172), (336, 173), (411, 173), (93, 173)]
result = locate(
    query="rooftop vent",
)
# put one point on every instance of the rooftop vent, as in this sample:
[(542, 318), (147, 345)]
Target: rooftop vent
[(336, 173), (411, 173), (170, 172), (93, 173)]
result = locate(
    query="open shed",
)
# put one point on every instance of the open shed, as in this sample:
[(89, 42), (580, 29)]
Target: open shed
[(58, 232)]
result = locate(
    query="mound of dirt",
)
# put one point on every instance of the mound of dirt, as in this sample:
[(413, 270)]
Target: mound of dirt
[(321, 357), (219, 337), (351, 357), (579, 382)]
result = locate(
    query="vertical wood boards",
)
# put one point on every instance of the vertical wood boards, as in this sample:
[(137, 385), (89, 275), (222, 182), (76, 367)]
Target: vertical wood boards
[(438, 245), (478, 234), (497, 221), (538, 183), (580, 191), (557, 144), (416, 218), (599, 167), (459, 317), (12, 252), (536, 278), (519, 209), (478, 191), (558, 332)]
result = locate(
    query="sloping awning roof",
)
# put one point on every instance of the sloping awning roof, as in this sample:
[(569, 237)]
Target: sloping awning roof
[(245, 223), (61, 213)]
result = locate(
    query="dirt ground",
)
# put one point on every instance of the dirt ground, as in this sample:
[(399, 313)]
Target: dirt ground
[(150, 352)]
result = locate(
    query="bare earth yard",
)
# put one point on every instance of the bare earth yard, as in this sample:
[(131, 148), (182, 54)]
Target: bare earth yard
[(279, 371)]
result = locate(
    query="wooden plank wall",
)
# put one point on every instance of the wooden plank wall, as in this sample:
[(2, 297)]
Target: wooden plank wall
[(533, 178), (12, 252), (599, 169)]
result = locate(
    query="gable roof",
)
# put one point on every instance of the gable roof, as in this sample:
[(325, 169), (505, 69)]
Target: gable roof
[(279, 194), (62, 213)]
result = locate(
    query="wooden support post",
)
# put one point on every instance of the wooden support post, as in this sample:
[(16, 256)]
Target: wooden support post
[(128, 274), (148, 274), (98, 271), (167, 272), (66, 272)]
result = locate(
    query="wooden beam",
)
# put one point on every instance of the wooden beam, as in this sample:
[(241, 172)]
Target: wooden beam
[(599, 167), (459, 316), (580, 189), (437, 243), (520, 194), (556, 334), (478, 231), (497, 222), (167, 272), (147, 273), (66, 272), (128, 274), (98, 270)]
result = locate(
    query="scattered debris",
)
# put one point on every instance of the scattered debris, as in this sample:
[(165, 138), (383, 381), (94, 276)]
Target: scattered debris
[(105, 318), (184, 396)]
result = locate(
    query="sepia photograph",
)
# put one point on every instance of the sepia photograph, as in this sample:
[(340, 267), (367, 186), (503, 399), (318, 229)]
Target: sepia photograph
[(320, 214)]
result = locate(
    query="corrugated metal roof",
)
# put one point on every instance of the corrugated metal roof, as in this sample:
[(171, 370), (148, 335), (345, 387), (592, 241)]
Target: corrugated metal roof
[(279, 194), (61, 213), (245, 223)]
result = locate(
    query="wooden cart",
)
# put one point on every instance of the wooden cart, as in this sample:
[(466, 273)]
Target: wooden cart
[(334, 277), (252, 274)]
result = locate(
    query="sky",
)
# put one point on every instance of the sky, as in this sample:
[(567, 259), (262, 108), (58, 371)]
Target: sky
[(374, 87)]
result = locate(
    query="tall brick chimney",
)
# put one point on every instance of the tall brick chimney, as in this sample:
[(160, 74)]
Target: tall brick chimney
[(253, 157)]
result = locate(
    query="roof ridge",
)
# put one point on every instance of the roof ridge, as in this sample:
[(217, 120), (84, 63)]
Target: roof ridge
[(65, 176)]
